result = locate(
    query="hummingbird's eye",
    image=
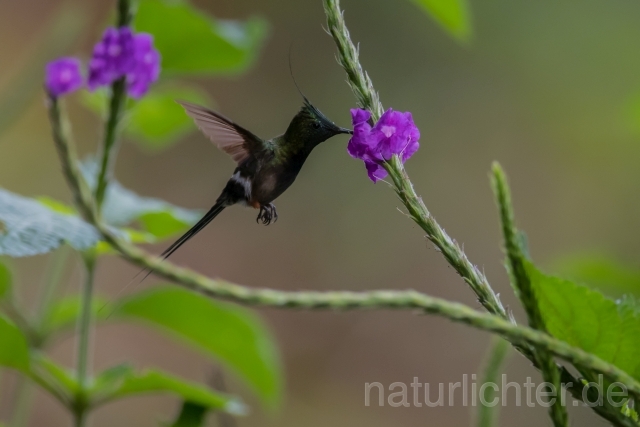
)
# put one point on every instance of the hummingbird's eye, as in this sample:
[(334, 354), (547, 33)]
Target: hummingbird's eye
[(316, 125)]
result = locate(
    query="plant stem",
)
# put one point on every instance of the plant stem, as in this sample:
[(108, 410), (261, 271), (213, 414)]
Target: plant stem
[(522, 285), (488, 415), (49, 289), (23, 394), (84, 338), (109, 148), (61, 134), (23, 391), (125, 13)]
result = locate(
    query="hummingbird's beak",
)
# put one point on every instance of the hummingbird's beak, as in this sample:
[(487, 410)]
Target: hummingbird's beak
[(344, 130)]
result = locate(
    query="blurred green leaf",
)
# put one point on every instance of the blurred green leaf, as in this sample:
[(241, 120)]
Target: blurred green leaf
[(14, 352), (157, 120), (62, 376), (32, 228), (64, 313), (97, 101), (587, 319), (453, 15), (192, 42), (233, 335), (191, 415), (124, 382), (110, 379), (5, 281), (129, 234), (163, 224), (56, 205), (600, 271), (122, 207)]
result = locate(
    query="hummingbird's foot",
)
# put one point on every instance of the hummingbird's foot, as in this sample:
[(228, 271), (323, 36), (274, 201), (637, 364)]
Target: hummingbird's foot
[(267, 214)]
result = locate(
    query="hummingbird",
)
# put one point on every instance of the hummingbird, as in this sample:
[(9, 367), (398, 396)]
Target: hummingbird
[(265, 168)]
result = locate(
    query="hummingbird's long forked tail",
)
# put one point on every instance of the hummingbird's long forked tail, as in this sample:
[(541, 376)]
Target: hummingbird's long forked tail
[(202, 223)]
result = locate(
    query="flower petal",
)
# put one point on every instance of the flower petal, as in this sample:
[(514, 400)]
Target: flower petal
[(358, 115), (146, 68), (375, 171), (63, 76)]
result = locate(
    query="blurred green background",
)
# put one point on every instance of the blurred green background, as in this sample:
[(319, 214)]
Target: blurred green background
[(551, 90)]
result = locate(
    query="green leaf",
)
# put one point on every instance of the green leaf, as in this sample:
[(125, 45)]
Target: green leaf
[(5, 281), (64, 314), (453, 15), (56, 205), (97, 101), (157, 120), (600, 271), (129, 234), (163, 224), (191, 415), (192, 42), (587, 319), (14, 351), (122, 207), (123, 383), (32, 228), (233, 335)]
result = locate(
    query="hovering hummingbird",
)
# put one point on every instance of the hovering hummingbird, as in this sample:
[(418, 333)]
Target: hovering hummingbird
[(266, 168)]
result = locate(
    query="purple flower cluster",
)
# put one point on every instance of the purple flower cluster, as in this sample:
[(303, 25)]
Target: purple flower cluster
[(394, 133), (119, 54)]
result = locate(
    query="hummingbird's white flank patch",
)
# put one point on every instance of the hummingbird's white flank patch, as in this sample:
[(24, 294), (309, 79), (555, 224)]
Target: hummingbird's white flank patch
[(245, 182)]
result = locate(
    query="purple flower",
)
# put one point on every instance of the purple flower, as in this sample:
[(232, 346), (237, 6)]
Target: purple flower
[(146, 68), (63, 76), (119, 54), (394, 133), (112, 58)]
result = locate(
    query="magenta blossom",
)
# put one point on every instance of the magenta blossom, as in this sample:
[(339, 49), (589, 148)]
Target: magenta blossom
[(121, 53), (146, 68), (112, 57), (394, 133), (63, 76)]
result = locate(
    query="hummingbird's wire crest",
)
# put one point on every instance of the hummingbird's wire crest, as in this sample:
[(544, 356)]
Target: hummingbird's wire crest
[(293, 77), (308, 103)]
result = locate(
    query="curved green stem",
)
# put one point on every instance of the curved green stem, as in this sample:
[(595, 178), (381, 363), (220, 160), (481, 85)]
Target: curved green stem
[(23, 396), (109, 148), (487, 415), (84, 339), (344, 300), (522, 285)]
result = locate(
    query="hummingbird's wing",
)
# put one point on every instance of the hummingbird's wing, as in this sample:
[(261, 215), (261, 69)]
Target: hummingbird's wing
[(231, 138)]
